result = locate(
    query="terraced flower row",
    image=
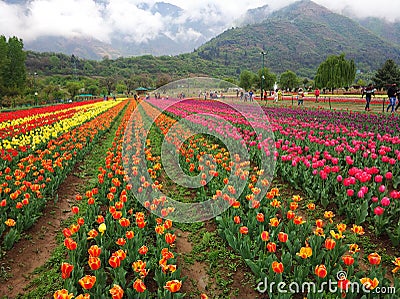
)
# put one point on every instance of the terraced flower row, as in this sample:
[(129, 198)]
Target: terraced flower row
[(116, 247), (282, 243), (25, 185)]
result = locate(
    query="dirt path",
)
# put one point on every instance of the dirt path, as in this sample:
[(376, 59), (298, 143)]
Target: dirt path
[(36, 246)]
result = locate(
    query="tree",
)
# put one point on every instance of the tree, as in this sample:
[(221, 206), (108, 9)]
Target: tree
[(288, 80), (73, 89), (387, 75), (269, 79), (108, 83), (246, 79), (13, 78), (335, 72)]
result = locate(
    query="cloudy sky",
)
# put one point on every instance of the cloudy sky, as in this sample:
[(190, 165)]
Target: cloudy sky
[(102, 18)]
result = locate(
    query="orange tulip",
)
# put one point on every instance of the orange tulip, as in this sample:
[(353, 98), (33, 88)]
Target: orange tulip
[(173, 285), (124, 222), (348, 260), (114, 261), (244, 230), (116, 292), (63, 294), (396, 262), (66, 270), (94, 263), (277, 267), (265, 236), (320, 271), (274, 222), (290, 214), (341, 227), (374, 258), (368, 283), (170, 238), (330, 244), (138, 266), (353, 248), (121, 241), (311, 206), (87, 282), (282, 237), (259, 217), (357, 229), (298, 220), (143, 250), (70, 243), (236, 219), (10, 222), (94, 251), (129, 234), (139, 286), (319, 223), (271, 247)]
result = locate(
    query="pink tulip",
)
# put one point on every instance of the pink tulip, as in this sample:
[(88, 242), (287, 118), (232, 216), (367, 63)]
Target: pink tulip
[(339, 178), (382, 188), (374, 199), (388, 175), (379, 211), (350, 192), (385, 201)]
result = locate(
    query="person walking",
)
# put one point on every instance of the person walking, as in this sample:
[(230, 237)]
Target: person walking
[(391, 93), (316, 93), (398, 99), (300, 97), (368, 92)]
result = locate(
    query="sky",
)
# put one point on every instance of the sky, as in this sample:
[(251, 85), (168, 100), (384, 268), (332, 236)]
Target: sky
[(102, 19)]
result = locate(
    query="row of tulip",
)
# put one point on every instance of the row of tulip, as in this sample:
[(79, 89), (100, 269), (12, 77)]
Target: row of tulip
[(281, 246), (21, 136), (354, 168), (115, 248), (25, 186)]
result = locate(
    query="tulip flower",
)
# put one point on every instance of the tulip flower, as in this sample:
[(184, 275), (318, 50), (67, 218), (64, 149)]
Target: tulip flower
[(94, 263), (170, 238), (87, 282), (368, 283), (271, 247), (139, 286), (264, 236), (63, 294), (396, 262), (244, 230), (321, 271), (143, 250), (116, 292), (173, 285), (374, 258), (348, 260), (277, 267), (66, 270), (102, 228), (330, 244)]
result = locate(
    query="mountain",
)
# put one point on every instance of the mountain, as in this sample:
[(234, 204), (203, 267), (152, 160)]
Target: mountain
[(387, 30), (179, 34), (299, 37)]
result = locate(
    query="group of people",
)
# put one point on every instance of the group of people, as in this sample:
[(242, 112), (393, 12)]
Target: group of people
[(392, 93)]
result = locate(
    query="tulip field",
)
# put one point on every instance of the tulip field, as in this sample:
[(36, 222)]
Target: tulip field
[(299, 211)]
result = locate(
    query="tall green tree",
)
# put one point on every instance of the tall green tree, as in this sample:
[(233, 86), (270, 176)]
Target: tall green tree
[(12, 66), (335, 72), (388, 74), (269, 79), (289, 80), (246, 79)]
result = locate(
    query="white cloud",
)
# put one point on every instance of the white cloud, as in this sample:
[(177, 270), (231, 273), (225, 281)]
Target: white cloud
[(106, 19)]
